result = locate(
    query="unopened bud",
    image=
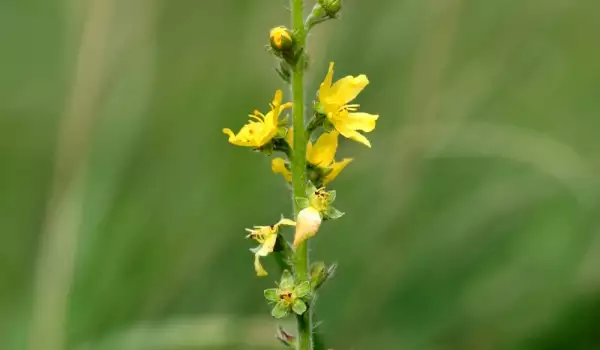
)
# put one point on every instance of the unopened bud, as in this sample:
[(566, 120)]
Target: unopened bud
[(331, 7), (307, 225), (281, 39)]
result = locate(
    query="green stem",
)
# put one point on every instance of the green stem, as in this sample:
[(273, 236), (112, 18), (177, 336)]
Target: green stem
[(301, 260)]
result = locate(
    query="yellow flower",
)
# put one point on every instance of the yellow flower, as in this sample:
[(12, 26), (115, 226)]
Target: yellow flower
[(281, 38), (261, 128), (266, 236), (344, 117), (320, 155)]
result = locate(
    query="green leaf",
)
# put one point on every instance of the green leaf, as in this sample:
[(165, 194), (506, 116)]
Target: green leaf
[(302, 202), (332, 195), (272, 294), (333, 213), (279, 310), (302, 289), (299, 307), (287, 280)]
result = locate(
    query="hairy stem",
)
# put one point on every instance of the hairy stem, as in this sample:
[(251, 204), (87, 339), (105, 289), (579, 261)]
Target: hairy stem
[(301, 260)]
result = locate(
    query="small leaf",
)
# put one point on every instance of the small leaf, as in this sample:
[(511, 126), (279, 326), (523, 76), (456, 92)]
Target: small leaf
[(302, 289), (271, 294), (279, 310), (332, 195), (287, 280), (284, 75), (333, 213), (286, 338), (299, 307), (302, 202)]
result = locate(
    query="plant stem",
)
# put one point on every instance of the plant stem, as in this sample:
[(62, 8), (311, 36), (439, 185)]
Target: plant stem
[(301, 260)]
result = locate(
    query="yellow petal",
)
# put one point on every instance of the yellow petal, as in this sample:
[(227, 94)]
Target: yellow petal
[(277, 99), (307, 225), (267, 247), (360, 121), (230, 133), (287, 222), (323, 151), (268, 131), (346, 89), (278, 167), (336, 168), (325, 88), (351, 134), (289, 137), (236, 139), (260, 271)]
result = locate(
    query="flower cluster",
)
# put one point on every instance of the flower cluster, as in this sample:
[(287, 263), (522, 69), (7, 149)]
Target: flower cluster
[(335, 116)]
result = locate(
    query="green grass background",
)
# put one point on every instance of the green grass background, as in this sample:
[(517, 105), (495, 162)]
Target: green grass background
[(473, 223)]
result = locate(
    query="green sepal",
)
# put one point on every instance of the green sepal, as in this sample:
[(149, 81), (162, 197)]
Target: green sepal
[(267, 149), (301, 202), (310, 189), (319, 108), (332, 195), (332, 213), (272, 294), (302, 289), (299, 307), (327, 126), (281, 132), (320, 273), (314, 174), (279, 310), (287, 280), (255, 249)]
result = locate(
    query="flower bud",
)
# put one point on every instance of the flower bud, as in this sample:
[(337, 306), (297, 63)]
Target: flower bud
[(307, 224), (281, 39), (331, 7)]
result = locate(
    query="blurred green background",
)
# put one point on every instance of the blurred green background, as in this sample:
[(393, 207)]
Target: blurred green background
[(473, 223)]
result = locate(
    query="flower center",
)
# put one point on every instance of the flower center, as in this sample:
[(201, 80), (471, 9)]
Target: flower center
[(287, 297), (320, 200)]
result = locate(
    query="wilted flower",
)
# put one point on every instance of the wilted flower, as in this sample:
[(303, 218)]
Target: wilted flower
[(266, 236)]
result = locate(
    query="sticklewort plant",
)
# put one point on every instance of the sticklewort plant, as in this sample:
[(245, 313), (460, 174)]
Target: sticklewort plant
[(308, 147)]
